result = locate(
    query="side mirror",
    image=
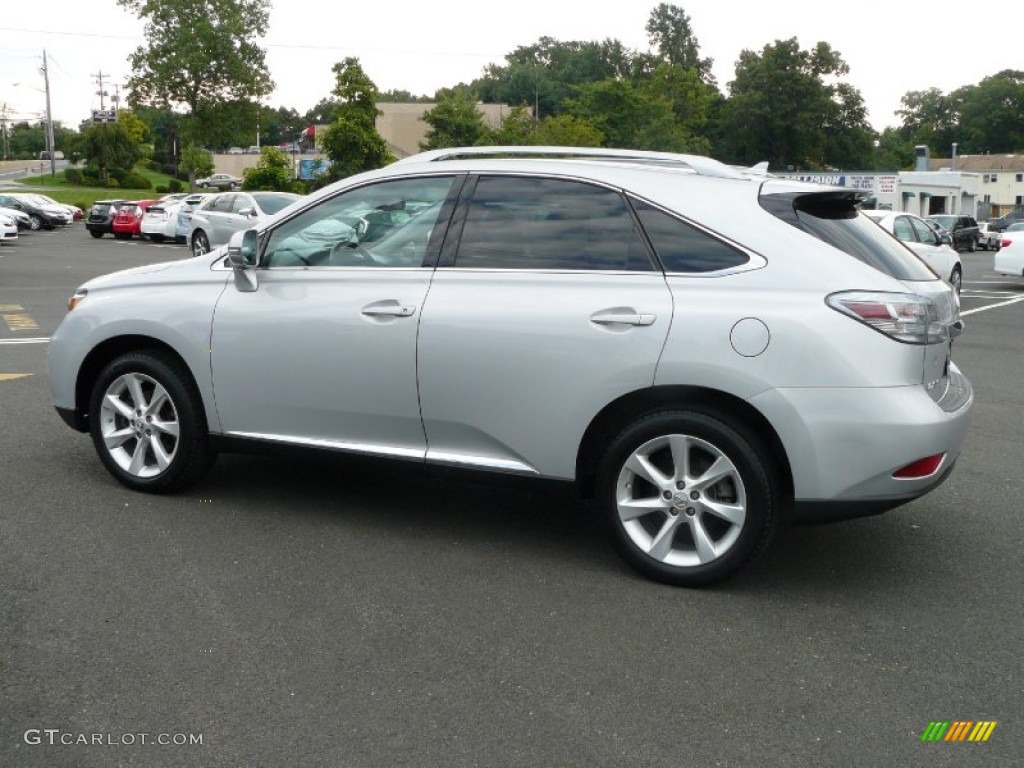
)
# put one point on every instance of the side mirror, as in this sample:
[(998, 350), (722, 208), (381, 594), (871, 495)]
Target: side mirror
[(247, 212), (945, 239), (243, 256)]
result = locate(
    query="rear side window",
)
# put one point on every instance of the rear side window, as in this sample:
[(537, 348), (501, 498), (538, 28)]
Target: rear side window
[(682, 248), (516, 222), (833, 218)]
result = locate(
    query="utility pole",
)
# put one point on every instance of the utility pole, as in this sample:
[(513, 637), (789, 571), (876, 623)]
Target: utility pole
[(3, 124), (101, 93), (49, 118)]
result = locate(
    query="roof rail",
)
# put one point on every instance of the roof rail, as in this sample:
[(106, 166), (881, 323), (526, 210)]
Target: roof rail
[(704, 166)]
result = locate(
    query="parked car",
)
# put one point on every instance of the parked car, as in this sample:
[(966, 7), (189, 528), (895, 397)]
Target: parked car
[(184, 215), (100, 220), (963, 230), (1009, 259), (128, 219), (19, 217), (219, 181), (76, 212), (8, 229), (214, 221), (41, 215), (160, 220), (988, 238), (235, 151), (920, 237), (1003, 222), (703, 350), (253, 150)]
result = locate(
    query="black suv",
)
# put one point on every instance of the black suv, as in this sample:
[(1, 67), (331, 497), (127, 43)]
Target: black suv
[(963, 230), (101, 216)]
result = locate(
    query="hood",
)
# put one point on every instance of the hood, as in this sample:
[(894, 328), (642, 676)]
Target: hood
[(163, 272)]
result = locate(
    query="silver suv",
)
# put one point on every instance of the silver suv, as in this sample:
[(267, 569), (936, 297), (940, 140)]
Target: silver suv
[(704, 351)]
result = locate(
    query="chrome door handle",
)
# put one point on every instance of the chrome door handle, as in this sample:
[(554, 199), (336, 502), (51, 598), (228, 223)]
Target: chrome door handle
[(392, 310), (623, 318)]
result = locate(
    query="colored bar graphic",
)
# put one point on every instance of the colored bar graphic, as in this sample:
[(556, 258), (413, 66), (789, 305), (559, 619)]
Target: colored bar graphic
[(958, 730)]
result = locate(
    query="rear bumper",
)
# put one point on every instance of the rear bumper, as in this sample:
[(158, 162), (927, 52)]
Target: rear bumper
[(844, 444)]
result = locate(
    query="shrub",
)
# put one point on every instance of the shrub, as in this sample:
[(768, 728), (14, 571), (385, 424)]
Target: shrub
[(175, 186), (117, 173), (113, 183), (91, 178), (154, 166), (168, 169), (162, 189), (72, 176), (135, 181)]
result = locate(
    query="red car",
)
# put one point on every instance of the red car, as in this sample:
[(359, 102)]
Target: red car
[(128, 219)]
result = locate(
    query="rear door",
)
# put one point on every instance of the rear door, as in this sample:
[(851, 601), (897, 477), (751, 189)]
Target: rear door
[(548, 307)]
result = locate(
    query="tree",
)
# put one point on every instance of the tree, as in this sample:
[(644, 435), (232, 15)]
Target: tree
[(195, 162), (567, 131), (106, 147), (781, 108), (352, 142), (454, 122), (199, 53), (992, 114), (928, 117), (273, 172), (669, 32)]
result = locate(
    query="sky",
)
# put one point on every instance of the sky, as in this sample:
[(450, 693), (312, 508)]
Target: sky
[(890, 47)]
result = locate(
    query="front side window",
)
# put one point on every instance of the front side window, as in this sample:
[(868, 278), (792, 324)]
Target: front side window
[(516, 222), (902, 229), (387, 224), (924, 233)]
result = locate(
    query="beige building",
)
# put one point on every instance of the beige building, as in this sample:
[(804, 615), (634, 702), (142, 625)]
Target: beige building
[(1001, 180), (401, 125)]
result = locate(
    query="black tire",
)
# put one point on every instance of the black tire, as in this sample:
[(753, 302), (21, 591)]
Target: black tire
[(750, 493), (956, 279), (157, 238), (95, 234), (122, 236), (190, 452), (973, 245), (200, 243)]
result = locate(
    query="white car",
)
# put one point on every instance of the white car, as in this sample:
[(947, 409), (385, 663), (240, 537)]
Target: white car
[(988, 238), (8, 230), (22, 219), (923, 240), (160, 221), (213, 222), (1009, 259)]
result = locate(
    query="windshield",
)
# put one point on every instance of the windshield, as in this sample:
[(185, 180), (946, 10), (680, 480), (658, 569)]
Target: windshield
[(272, 203)]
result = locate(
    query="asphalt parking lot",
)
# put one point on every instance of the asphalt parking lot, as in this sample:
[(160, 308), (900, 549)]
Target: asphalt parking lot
[(302, 611)]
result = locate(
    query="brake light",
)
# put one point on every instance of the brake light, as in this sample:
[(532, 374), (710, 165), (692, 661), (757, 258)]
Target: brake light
[(1005, 243), (920, 468), (905, 317)]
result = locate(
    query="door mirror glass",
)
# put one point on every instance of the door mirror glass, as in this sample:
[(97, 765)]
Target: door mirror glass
[(242, 249)]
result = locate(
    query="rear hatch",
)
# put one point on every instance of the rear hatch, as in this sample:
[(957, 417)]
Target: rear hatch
[(927, 315)]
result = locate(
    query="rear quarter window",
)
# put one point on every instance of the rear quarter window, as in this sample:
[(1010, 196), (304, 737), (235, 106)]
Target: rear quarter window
[(683, 248), (833, 218)]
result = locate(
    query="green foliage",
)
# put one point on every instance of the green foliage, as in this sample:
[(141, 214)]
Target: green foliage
[(568, 131), (992, 114), (273, 172), (351, 141), (669, 32), (136, 181), (199, 52), (174, 186), (112, 183), (72, 176), (454, 122), (162, 189), (108, 149), (195, 162), (783, 110)]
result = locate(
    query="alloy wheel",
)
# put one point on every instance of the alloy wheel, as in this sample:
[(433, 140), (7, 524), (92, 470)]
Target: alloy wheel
[(139, 425)]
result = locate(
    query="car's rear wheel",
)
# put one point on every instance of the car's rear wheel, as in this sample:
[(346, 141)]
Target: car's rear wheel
[(973, 245), (147, 423), (156, 238), (96, 234), (200, 243), (689, 497)]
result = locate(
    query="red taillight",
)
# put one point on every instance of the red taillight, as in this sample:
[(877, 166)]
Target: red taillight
[(1005, 243), (920, 468)]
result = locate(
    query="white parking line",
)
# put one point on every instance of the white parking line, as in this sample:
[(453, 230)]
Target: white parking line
[(36, 340), (992, 306)]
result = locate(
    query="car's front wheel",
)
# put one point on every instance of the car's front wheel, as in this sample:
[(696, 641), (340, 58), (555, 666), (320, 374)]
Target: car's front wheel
[(35, 222), (690, 498), (200, 243), (147, 423), (956, 279)]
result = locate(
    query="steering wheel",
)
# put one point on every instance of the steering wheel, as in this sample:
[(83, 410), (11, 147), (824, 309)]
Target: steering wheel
[(349, 254)]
